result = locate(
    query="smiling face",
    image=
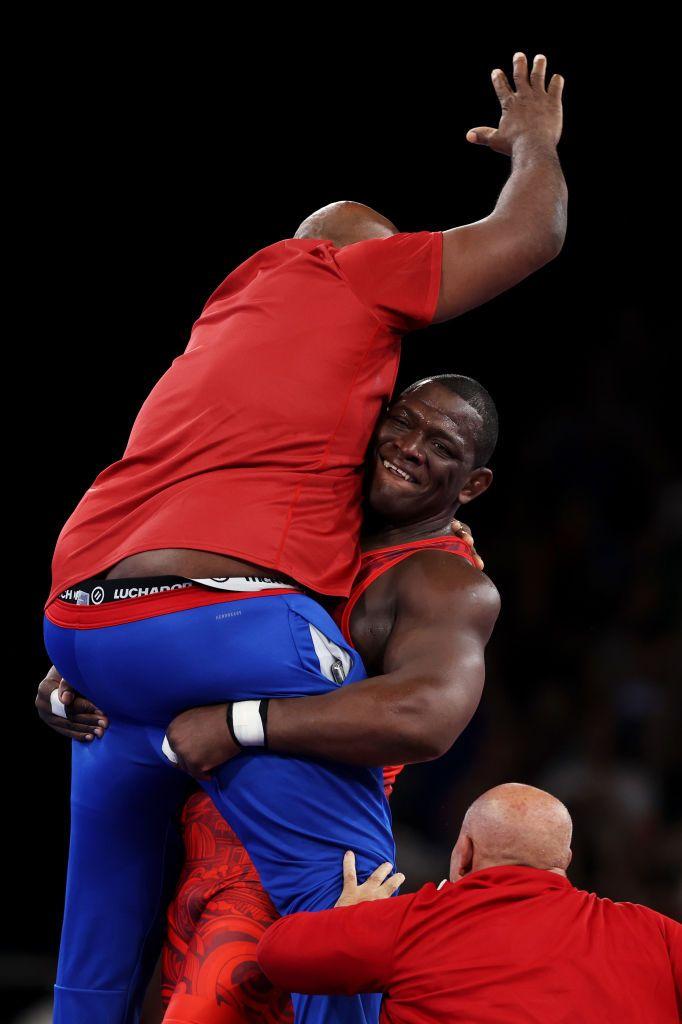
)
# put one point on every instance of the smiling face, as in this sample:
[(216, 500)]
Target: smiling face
[(423, 461)]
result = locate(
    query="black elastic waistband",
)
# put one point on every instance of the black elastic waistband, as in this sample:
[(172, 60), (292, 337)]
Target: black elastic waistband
[(102, 591)]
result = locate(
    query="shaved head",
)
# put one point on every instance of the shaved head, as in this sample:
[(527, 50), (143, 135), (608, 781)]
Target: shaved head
[(513, 824), (344, 223)]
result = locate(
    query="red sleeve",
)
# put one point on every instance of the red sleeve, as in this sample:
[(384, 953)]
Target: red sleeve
[(397, 278), (334, 952), (673, 940)]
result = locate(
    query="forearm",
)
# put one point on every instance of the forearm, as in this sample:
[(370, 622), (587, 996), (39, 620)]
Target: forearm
[(342, 951), (385, 720), (533, 203), (524, 231), (296, 954)]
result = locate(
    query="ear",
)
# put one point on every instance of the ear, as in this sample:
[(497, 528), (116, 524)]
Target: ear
[(462, 857), (479, 481)]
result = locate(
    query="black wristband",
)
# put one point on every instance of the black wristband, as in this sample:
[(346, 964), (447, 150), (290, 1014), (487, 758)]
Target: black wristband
[(263, 708), (230, 725)]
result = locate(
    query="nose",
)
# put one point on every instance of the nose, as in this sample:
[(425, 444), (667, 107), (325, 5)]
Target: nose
[(411, 446)]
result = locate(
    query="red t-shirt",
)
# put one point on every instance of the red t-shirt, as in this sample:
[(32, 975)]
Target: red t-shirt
[(252, 443), (508, 944)]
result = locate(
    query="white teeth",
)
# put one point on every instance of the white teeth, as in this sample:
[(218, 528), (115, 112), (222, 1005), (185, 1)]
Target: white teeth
[(396, 469)]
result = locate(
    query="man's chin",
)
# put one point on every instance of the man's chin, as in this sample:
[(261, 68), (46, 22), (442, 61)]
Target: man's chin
[(387, 503)]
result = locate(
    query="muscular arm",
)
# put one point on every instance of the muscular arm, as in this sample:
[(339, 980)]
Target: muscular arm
[(433, 673), (431, 684), (527, 227)]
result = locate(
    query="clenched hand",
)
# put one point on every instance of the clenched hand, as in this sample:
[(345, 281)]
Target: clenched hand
[(200, 739)]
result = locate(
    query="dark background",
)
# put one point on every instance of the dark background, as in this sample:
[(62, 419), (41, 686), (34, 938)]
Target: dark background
[(147, 188)]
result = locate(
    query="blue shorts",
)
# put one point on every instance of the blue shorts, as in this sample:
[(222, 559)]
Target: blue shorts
[(296, 816)]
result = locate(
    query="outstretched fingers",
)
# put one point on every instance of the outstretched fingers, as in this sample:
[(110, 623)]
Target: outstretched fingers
[(393, 883), (537, 74), (501, 85), (380, 874), (520, 72), (349, 873), (384, 884)]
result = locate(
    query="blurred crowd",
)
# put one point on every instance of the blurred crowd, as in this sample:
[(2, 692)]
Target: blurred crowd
[(584, 670)]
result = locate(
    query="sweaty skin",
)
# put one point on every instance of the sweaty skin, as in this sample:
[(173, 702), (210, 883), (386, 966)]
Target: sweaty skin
[(421, 628), (525, 231)]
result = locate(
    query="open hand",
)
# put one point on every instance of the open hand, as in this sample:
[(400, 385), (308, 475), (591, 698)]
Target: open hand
[(379, 886), (530, 111)]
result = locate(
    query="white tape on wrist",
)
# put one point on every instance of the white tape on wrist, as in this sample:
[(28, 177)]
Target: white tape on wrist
[(168, 751), (247, 723), (56, 705)]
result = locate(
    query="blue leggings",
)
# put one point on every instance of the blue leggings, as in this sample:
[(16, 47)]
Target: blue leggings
[(296, 816)]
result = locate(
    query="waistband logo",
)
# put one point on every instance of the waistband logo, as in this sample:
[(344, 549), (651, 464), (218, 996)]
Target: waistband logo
[(97, 595)]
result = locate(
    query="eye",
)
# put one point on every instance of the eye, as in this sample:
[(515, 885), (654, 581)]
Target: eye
[(442, 449), (400, 420)]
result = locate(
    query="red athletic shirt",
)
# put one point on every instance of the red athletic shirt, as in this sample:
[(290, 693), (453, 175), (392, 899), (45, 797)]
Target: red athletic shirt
[(252, 443), (374, 564), (507, 945)]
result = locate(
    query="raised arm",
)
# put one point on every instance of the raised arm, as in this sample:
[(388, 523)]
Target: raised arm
[(414, 711), (527, 227)]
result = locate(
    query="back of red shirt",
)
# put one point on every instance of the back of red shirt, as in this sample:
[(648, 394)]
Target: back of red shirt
[(252, 443), (517, 944), (508, 945)]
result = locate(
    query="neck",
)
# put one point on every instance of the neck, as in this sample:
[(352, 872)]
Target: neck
[(497, 863), (385, 534)]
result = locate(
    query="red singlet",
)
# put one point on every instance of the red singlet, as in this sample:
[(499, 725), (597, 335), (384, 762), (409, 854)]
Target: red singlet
[(252, 443)]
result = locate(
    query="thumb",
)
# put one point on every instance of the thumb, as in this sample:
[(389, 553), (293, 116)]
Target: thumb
[(481, 136), (66, 693)]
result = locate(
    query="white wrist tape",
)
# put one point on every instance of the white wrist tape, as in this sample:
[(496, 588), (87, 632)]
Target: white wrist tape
[(168, 751), (56, 705), (247, 723)]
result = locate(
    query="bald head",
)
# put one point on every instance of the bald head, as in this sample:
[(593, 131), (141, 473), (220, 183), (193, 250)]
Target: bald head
[(344, 223), (513, 824)]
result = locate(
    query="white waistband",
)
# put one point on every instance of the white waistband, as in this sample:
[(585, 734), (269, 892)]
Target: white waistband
[(243, 583)]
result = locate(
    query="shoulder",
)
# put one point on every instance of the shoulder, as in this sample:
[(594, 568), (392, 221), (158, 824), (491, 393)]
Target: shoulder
[(445, 574), (439, 581), (633, 915)]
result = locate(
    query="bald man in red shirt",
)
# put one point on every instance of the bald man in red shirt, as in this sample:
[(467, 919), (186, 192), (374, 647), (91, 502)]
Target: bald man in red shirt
[(507, 940)]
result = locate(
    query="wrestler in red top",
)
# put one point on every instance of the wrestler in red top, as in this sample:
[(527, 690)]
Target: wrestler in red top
[(441, 430)]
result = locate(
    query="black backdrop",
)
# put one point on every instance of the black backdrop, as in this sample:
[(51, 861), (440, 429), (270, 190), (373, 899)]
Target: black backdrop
[(149, 189)]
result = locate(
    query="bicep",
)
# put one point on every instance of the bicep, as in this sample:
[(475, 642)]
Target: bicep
[(447, 658), (480, 261), (438, 642)]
